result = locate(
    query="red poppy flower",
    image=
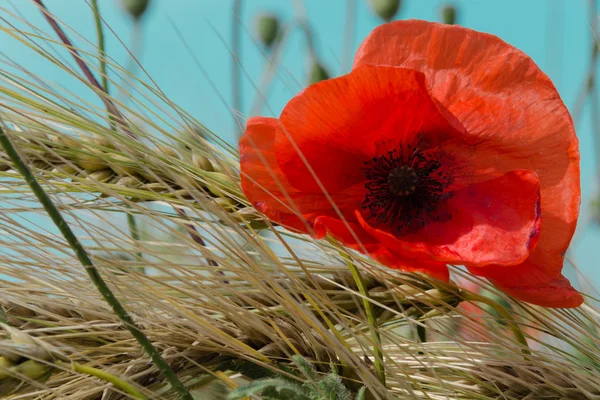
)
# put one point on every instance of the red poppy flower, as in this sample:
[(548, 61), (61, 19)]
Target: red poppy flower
[(442, 146)]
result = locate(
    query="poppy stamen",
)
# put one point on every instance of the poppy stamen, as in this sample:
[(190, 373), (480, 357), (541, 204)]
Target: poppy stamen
[(405, 189)]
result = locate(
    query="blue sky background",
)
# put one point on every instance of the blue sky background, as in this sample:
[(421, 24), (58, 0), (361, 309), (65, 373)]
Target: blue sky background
[(555, 33)]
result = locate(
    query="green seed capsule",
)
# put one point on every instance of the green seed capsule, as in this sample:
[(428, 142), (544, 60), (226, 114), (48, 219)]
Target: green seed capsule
[(267, 26), (386, 9), (449, 15), (136, 8), (317, 73)]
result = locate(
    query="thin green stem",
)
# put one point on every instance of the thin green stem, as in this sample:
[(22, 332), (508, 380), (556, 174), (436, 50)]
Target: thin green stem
[(500, 309), (349, 33), (105, 376), (102, 55), (373, 325), (101, 48), (270, 70), (135, 235), (93, 273), (111, 108), (308, 35), (236, 82), (131, 222)]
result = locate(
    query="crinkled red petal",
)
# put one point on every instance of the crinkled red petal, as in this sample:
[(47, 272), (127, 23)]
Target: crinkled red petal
[(354, 236), (508, 105)]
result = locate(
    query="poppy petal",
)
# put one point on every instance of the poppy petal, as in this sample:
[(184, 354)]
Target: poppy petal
[(336, 125), (530, 283), (268, 190), (486, 224), (358, 239), (262, 181), (501, 97)]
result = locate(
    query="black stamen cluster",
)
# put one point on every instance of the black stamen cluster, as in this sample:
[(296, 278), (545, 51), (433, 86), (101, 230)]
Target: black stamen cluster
[(404, 188)]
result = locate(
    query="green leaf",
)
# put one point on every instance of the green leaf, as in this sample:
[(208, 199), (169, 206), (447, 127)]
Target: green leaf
[(362, 394), (275, 387), (332, 385), (306, 367)]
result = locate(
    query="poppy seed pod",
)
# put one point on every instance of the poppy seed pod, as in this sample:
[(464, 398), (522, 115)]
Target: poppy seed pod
[(449, 14), (267, 27), (386, 9), (136, 8), (318, 73)]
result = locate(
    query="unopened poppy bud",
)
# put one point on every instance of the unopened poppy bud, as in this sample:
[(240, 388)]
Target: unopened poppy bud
[(317, 73), (267, 27), (449, 14), (136, 8), (386, 9)]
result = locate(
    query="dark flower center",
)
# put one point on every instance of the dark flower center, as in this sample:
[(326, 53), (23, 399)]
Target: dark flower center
[(404, 188), (403, 180)]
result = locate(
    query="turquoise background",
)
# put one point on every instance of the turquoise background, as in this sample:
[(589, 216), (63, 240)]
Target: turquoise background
[(555, 33)]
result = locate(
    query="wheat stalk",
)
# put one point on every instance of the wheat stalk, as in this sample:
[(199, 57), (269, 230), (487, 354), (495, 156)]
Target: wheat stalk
[(77, 326), (142, 175)]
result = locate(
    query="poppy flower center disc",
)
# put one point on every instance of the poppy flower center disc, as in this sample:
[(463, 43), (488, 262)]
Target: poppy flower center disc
[(405, 188), (403, 180)]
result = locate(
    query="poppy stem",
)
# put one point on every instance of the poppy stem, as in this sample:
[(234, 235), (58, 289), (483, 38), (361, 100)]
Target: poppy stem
[(101, 47), (500, 309), (373, 325), (85, 260), (236, 83), (131, 222), (110, 106), (270, 70)]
